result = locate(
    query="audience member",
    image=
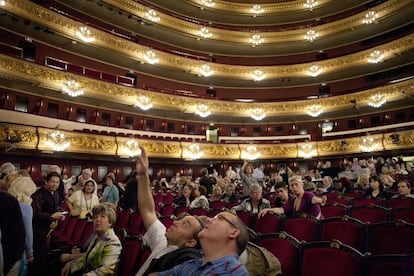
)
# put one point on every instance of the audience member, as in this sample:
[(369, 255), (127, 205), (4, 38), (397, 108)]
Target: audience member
[(104, 249), (282, 194), (45, 212), (217, 194), (83, 201), (12, 234), (229, 194), (6, 169), (247, 179), (200, 201), (230, 173), (304, 202), (22, 188), (375, 190), (168, 247), (258, 174), (187, 196), (223, 239), (255, 203), (110, 193), (404, 190), (206, 181)]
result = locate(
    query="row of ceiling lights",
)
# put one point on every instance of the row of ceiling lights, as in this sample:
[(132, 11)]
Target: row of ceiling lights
[(257, 9)]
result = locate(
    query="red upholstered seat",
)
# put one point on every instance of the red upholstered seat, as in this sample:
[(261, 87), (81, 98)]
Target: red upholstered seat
[(130, 258), (334, 210), (327, 258), (285, 247), (303, 227), (347, 230), (390, 265), (403, 213), (270, 223)]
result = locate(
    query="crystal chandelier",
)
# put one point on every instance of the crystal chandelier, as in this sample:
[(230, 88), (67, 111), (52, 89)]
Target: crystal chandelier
[(256, 9), (209, 3), (377, 100), (258, 75), (132, 148), (72, 88), (205, 32), (256, 39), (367, 143), (376, 57), (202, 110), (314, 70), (143, 102), (311, 35), (250, 153), (314, 110), (193, 152), (84, 34), (206, 70), (307, 150), (310, 4), (370, 17), (56, 140), (257, 114), (151, 57), (152, 15)]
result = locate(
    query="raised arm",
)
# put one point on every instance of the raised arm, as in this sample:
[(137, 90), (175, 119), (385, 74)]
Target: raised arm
[(276, 210), (319, 200), (146, 203)]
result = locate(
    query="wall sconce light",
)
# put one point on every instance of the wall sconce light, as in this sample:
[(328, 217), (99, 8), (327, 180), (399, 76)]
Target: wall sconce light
[(314, 70), (193, 152), (377, 100), (205, 32), (370, 17), (311, 35), (72, 88), (310, 4), (376, 57), (206, 70), (57, 140), (258, 75), (202, 110), (143, 102), (367, 143), (256, 39), (307, 150), (151, 57), (250, 153), (132, 148), (257, 114), (84, 34), (152, 15), (314, 110), (209, 3), (256, 9)]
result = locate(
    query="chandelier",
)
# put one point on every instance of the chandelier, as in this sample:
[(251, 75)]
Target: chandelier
[(143, 102), (307, 150), (206, 70), (367, 143), (72, 88), (314, 70), (250, 153), (152, 15), (376, 57), (56, 140), (370, 17), (258, 75), (314, 110), (151, 57), (310, 4), (377, 100), (205, 32), (209, 3), (202, 110), (256, 39), (132, 148), (257, 114), (193, 152), (311, 35), (256, 9)]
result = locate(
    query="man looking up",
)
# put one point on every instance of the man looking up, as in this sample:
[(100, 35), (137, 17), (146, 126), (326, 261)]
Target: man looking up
[(171, 246), (223, 239)]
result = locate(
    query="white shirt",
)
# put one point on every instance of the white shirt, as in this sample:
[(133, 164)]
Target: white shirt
[(156, 240)]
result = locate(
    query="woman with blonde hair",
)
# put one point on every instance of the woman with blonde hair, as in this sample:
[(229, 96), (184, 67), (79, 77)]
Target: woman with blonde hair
[(22, 188)]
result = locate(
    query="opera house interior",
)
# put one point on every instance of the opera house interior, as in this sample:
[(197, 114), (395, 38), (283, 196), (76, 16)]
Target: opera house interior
[(201, 83), (205, 84)]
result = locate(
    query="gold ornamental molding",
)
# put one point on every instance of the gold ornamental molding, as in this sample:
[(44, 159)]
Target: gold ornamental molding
[(34, 138), (68, 27), (192, 29), (43, 76)]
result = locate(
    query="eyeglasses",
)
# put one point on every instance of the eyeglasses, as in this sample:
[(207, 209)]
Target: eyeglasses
[(221, 217)]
